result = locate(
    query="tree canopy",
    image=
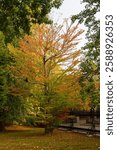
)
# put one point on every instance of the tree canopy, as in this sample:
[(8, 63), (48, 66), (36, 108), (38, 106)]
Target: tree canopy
[(11, 105), (40, 75), (90, 17), (90, 65), (17, 16), (46, 51)]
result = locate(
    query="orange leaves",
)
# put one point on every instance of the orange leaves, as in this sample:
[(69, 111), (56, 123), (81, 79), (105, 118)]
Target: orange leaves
[(18, 91), (97, 85), (52, 42), (50, 45), (42, 55)]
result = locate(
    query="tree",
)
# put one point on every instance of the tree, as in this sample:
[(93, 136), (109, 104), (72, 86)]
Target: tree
[(17, 16), (11, 106), (4, 59), (48, 48), (90, 64), (90, 61), (92, 48), (89, 16)]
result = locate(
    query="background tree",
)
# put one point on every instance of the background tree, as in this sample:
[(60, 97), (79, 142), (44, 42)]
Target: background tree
[(90, 17), (90, 69), (4, 59), (11, 106), (17, 16)]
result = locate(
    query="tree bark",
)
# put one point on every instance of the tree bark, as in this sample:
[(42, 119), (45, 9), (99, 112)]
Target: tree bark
[(92, 120), (49, 129), (2, 126)]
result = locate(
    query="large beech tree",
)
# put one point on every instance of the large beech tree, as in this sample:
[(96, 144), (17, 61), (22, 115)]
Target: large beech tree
[(52, 51)]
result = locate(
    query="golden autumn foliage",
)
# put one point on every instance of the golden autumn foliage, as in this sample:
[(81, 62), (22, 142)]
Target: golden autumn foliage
[(48, 53), (46, 61)]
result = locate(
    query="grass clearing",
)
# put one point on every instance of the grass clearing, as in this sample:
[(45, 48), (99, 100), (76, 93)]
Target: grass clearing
[(22, 138)]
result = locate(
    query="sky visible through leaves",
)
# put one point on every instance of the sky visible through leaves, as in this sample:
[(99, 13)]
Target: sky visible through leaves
[(66, 10)]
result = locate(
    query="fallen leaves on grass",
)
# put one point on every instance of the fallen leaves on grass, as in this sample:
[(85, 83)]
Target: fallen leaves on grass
[(34, 139)]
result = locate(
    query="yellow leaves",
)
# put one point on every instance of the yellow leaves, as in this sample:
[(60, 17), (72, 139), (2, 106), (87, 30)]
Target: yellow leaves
[(42, 56), (28, 9), (18, 55), (62, 88), (12, 50), (48, 43), (97, 85), (25, 64)]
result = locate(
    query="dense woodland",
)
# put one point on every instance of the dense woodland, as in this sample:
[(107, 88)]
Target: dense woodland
[(43, 74)]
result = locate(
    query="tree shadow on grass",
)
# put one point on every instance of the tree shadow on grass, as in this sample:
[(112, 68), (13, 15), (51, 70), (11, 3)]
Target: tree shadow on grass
[(23, 131)]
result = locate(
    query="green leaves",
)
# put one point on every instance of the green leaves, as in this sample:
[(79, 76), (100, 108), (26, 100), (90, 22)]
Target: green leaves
[(11, 107), (90, 66), (17, 16)]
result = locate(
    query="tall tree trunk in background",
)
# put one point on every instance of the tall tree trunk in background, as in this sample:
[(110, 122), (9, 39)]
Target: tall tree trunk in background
[(92, 111), (2, 126)]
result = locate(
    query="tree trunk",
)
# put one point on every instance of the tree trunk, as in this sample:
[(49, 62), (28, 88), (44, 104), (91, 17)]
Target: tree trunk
[(92, 120), (2, 126), (49, 129)]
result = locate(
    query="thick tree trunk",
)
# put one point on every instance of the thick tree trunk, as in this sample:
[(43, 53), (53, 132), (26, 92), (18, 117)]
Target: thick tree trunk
[(2, 126), (49, 129)]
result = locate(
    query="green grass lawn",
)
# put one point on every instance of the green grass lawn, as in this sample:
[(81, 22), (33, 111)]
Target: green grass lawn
[(20, 138)]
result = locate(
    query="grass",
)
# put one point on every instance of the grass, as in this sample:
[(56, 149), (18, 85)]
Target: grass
[(22, 138)]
